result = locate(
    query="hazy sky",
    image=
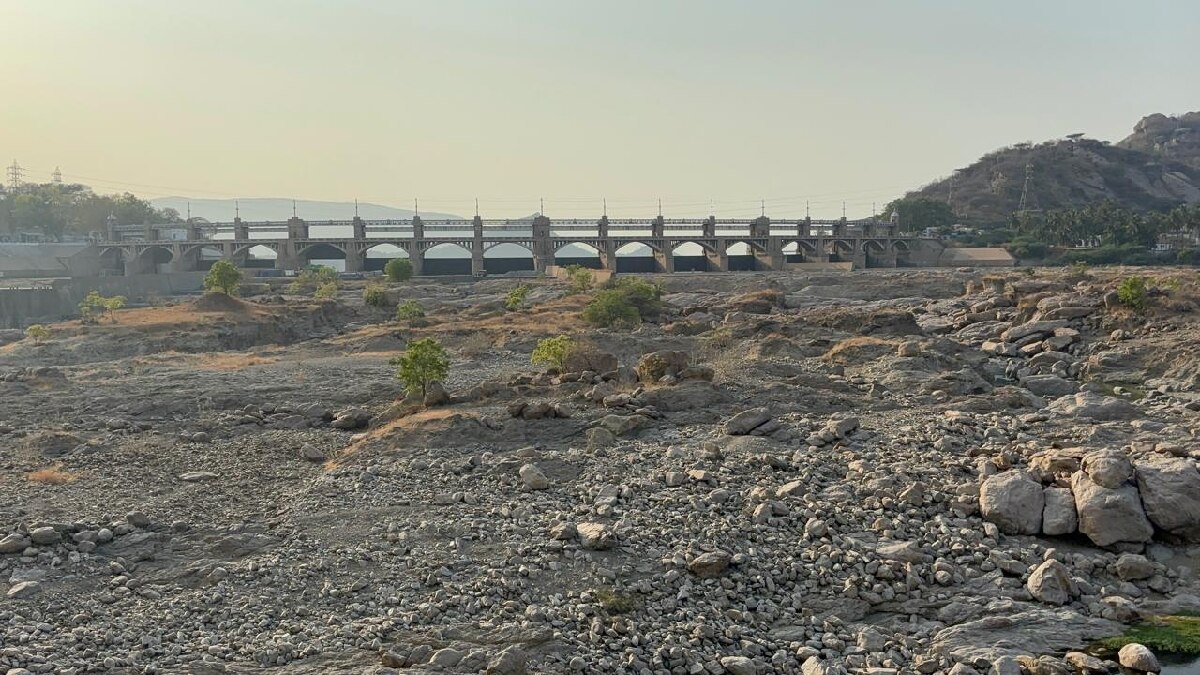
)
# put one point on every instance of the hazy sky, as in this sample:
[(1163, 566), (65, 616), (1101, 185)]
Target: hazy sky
[(512, 100)]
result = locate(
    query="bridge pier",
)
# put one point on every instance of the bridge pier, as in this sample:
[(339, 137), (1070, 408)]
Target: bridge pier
[(355, 260), (478, 269), (664, 260), (543, 251), (718, 261)]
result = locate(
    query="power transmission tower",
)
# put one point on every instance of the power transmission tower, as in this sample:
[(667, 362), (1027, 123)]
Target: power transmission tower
[(1024, 204), (16, 176), (56, 177)]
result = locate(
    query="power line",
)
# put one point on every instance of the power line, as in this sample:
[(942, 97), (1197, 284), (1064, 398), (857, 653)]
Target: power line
[(16, 176)]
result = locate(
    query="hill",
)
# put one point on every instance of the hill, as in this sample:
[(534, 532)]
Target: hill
[(1171, 138), (258, 209), (1156, 168)]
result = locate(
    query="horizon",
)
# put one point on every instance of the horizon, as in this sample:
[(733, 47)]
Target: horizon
[(705, 105)]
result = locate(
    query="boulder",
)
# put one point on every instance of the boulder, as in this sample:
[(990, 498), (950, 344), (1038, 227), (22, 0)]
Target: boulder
[(1049, 385), (1108, 468), (709, 565), (654, 366), (512, 661), (1013, 501), (44, 536), (1138, 657), (579, 360), (350, 419), (745, 422), (739, 665), (1051, 583), (1021, 631), (532, 478), (435, 394), (595, 536), (1059, 515), (1131, 567), (1108, 516), (1170, 491), (1094, 406), (1032, 328), (14, 543)]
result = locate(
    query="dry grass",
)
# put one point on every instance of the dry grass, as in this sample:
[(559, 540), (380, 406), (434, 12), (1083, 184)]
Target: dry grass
[(54, 475), (232, 361), (858, 349)]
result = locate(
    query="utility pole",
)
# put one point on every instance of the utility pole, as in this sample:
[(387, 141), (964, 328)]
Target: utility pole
[(604, 206), (541, 206), (1024, 204), (356, 207), (660, 208), (237, 209), (16, 176), (477, 207), (762, 208), (416, 211)]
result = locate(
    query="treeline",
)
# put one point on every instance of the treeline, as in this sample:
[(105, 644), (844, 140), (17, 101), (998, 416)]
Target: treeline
[(1104, 224), (53, 210)]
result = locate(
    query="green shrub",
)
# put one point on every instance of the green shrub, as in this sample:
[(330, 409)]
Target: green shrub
[(326, 291), (579, 279), (516, 297), (374, 295), (398, 269), (312, 279), (553, 352), (1132, 293), (223, 277), (38, 333), (95, 304), (410, 312), (423, 362), (1171, 634), (624, 303)]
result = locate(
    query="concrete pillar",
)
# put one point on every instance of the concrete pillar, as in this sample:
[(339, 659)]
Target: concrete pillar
[(477, 268), (657, 227), (286, 257), (417, 258), (608, 255), (543, 255), (418, 228), (602, 227), (360, 228), (355, 259), (710, 226), (110, 227), (241, 231), (297, 229), (760, 227), (719, 260), (805, 228), (664, 260), (773, 258)]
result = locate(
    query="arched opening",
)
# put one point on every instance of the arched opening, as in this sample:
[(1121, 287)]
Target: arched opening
[(741, 257), (577, 253), (690, 257), (903, 252), (201, 258), (502, 258), (155, 260), (325, 255), (875, 254), (258, 256), (112, 262), (636, 257), (841, 251), (446, 259), (377, 256)]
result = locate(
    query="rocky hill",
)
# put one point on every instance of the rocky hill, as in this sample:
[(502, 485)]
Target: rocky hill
[(1157, 167)]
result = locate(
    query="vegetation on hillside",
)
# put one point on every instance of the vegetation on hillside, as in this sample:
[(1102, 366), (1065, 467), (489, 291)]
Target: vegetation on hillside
[(223, 277), (424, 361), (55, 209)]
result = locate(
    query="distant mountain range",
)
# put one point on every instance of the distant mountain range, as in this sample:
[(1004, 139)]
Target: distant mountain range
[(1155, 168), (265, 208)]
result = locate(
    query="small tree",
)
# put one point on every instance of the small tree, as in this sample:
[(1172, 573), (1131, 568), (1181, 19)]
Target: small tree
[(223, 277), (553, 352), (516, 297), (326, 291), (398, 269), (579, 278), (112, 305), (424, 361), (410, 312), (313, 279), (374, 295), (90, 306), (1132, 293), (38, 333), (611, 309)]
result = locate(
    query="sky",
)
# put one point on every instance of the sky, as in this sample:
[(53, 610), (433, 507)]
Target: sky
[(706, 105)]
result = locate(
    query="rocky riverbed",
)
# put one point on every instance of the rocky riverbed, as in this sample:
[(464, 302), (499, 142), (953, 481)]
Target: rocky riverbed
[(927, 471)]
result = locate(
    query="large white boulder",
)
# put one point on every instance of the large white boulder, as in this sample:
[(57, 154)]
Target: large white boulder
[(1170, 490), (1108, 516), (1059, 515), (1013, 501)]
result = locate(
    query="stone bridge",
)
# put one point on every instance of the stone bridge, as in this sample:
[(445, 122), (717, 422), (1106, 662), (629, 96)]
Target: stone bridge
[(179, 247)]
